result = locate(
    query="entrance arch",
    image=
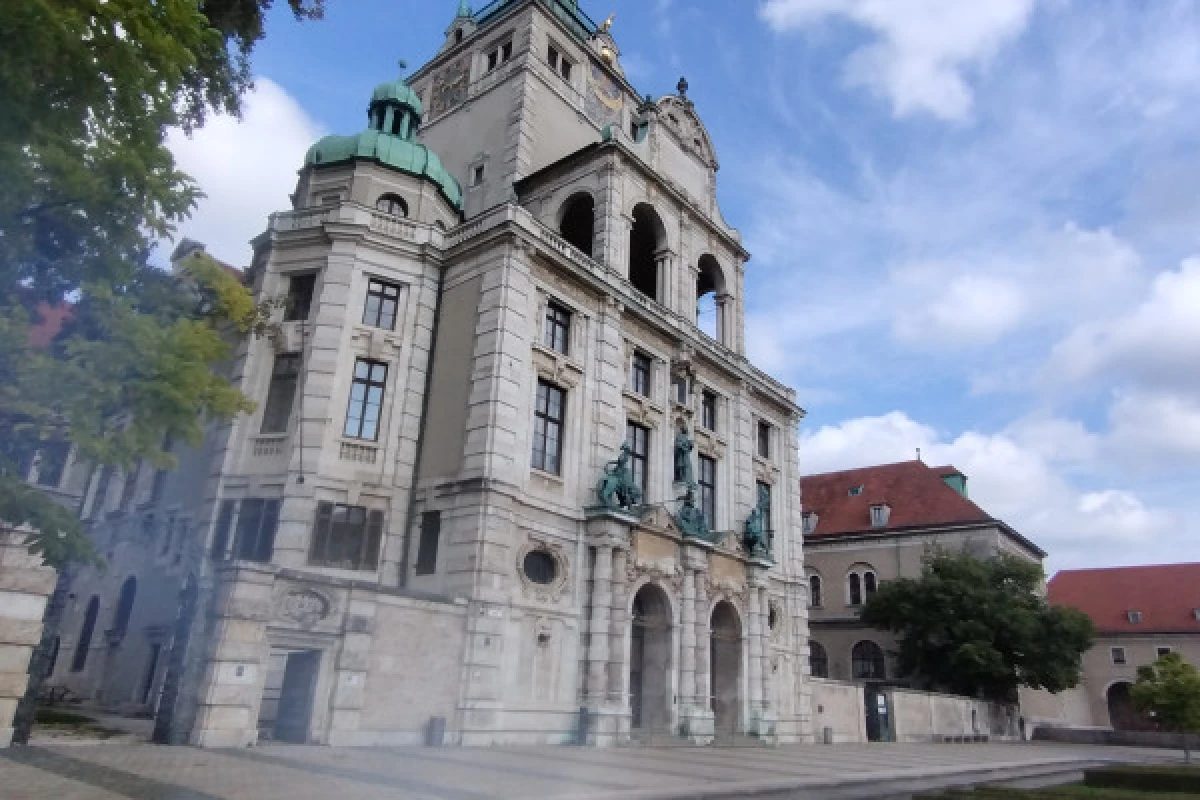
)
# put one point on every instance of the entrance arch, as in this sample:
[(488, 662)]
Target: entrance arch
[(1122, 714), (650, 660), (725, 655)]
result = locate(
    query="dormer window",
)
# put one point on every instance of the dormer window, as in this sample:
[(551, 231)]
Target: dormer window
[(855, 491), (880, 513), (808, 522), (1134, 617)]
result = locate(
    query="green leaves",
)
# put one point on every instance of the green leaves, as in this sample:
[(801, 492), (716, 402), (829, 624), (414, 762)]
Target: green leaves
[(1169, 689), (981, 627)]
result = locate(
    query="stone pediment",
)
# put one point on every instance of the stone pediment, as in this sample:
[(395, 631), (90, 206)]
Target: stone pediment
[(678, 115)]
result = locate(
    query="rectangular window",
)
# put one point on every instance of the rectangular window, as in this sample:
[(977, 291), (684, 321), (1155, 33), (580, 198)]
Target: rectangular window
[(299, 296), (380, 309), (52, 463), (1162, 651), (477, 175), (564, 69), (679, 388), (281, 394), (220, 544), (548, 414), (708, 489), (764, 499), (505, 52), (640, 373), (431, 531), (366, 399), (708, 411), (493, 59), (764, 439), (639, 451), (552, 58), (257, 522), (346, 537), (556, 328), (1118, 655)]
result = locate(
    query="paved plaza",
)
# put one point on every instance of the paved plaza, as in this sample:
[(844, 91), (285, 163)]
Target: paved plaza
[(147, 772)]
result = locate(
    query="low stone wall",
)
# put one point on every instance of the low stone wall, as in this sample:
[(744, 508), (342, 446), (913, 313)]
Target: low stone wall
[(928, 716), (839, 707), (1173, 741), (25, 586)]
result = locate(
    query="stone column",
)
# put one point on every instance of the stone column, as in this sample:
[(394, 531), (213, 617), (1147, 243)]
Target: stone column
[(695, 713), (754, 650), (597, 676), (687, 622), (25, 586), (763, 720), (618, 625), (765, 646)]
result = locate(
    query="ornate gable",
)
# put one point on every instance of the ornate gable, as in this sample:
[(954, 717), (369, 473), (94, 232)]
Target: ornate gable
[(678, 115)]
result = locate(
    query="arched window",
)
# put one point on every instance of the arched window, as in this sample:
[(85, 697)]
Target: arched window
[(867, 662), (125, 605), (392, 204), (814, 591), (710, 289), (855, 589), (577, 222), (869, 583), (646, 238), (79, 660), (860, 584), (818, 659)]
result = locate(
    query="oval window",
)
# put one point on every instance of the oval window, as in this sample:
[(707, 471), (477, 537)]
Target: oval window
[(540, 567)]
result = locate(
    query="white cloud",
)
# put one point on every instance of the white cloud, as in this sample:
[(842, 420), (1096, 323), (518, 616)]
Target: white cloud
[(1019, 484), (1154, 344), (1155, 430), (922, 47), (969, 310), (247, 168)]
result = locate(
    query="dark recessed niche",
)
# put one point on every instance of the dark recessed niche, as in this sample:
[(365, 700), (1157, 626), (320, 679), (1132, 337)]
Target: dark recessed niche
[(540, 567)]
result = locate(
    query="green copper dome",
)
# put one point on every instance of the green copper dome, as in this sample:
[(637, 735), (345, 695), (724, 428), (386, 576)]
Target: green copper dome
[(392, 119)]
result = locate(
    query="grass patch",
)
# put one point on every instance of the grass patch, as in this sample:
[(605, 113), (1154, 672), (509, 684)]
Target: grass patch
[(1073, 791), (68, 719)]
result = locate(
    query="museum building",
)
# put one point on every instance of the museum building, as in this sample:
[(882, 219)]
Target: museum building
[(511, 477)]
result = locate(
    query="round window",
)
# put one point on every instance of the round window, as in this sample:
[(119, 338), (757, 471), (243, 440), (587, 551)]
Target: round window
[(540, 567)]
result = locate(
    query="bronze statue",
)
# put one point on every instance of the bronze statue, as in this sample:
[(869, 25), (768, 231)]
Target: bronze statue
[(683, 457), (690, 520), (617, 488), (757, 536)]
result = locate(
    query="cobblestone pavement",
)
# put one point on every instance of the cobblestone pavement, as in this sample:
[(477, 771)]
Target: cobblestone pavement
[(147, 772)]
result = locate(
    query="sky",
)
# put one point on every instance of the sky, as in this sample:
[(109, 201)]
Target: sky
[(974, 226)]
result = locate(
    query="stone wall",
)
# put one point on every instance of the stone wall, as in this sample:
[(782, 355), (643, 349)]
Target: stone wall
[(838, 706), (928, 716), (25, 585)]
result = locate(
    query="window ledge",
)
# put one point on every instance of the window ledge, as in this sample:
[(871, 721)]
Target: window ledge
[(548, 476), (556, 367)]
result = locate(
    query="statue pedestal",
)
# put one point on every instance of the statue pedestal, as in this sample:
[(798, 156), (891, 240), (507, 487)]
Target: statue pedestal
[(764, 725), (697, 724)]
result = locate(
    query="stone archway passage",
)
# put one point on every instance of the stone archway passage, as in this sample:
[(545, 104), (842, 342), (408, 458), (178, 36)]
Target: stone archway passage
[(726, 669), (1122, 714), (649, 660)]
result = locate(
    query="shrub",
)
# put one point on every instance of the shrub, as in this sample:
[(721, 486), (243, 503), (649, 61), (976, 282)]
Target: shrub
[(1155, 778)]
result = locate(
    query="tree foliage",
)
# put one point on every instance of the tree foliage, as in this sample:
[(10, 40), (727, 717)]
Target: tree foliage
[(90, 89), (1169, 691), (981, 627)]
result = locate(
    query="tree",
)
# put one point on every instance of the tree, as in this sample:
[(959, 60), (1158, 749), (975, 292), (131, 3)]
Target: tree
[(1169, 691), (980, 627), (90, 89)]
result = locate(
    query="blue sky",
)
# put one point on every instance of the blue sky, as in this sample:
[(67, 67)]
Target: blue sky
[(971, 225)]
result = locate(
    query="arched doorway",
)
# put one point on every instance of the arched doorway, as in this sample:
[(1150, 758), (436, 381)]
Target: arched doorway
[(577, 222), (646, 238), (1122, 714), (725, 656), (867, 662), (649, 660)]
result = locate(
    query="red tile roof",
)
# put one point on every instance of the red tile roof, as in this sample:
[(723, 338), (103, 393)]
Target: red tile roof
[(915, 492), (1166, 595)]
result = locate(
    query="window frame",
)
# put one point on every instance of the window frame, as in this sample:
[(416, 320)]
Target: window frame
[(427, 543), (273, 406), (706, 474), (854, 590), (762, 446), (370, 531), (641, 373), (363, 403), (377, 289), (291, 310), (556, 323), (255, 528), (816, 596), (393, 201), (640, 459), (708, 410), (542, 459), (1118, 656)]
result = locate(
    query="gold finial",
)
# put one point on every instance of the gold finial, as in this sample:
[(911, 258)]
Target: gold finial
[(606, 26)]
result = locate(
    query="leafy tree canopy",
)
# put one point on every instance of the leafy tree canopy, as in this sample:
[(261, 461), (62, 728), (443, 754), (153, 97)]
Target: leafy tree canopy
[(981, 627), (90, 89), (1169, 690)]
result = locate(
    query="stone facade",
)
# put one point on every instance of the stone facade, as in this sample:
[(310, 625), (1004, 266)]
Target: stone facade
[(405, 540), (25, 585)]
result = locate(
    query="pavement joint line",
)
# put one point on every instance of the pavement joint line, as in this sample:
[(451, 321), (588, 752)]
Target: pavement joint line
[(575, 755), (448, 758), (361, 776), (111, 779)]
